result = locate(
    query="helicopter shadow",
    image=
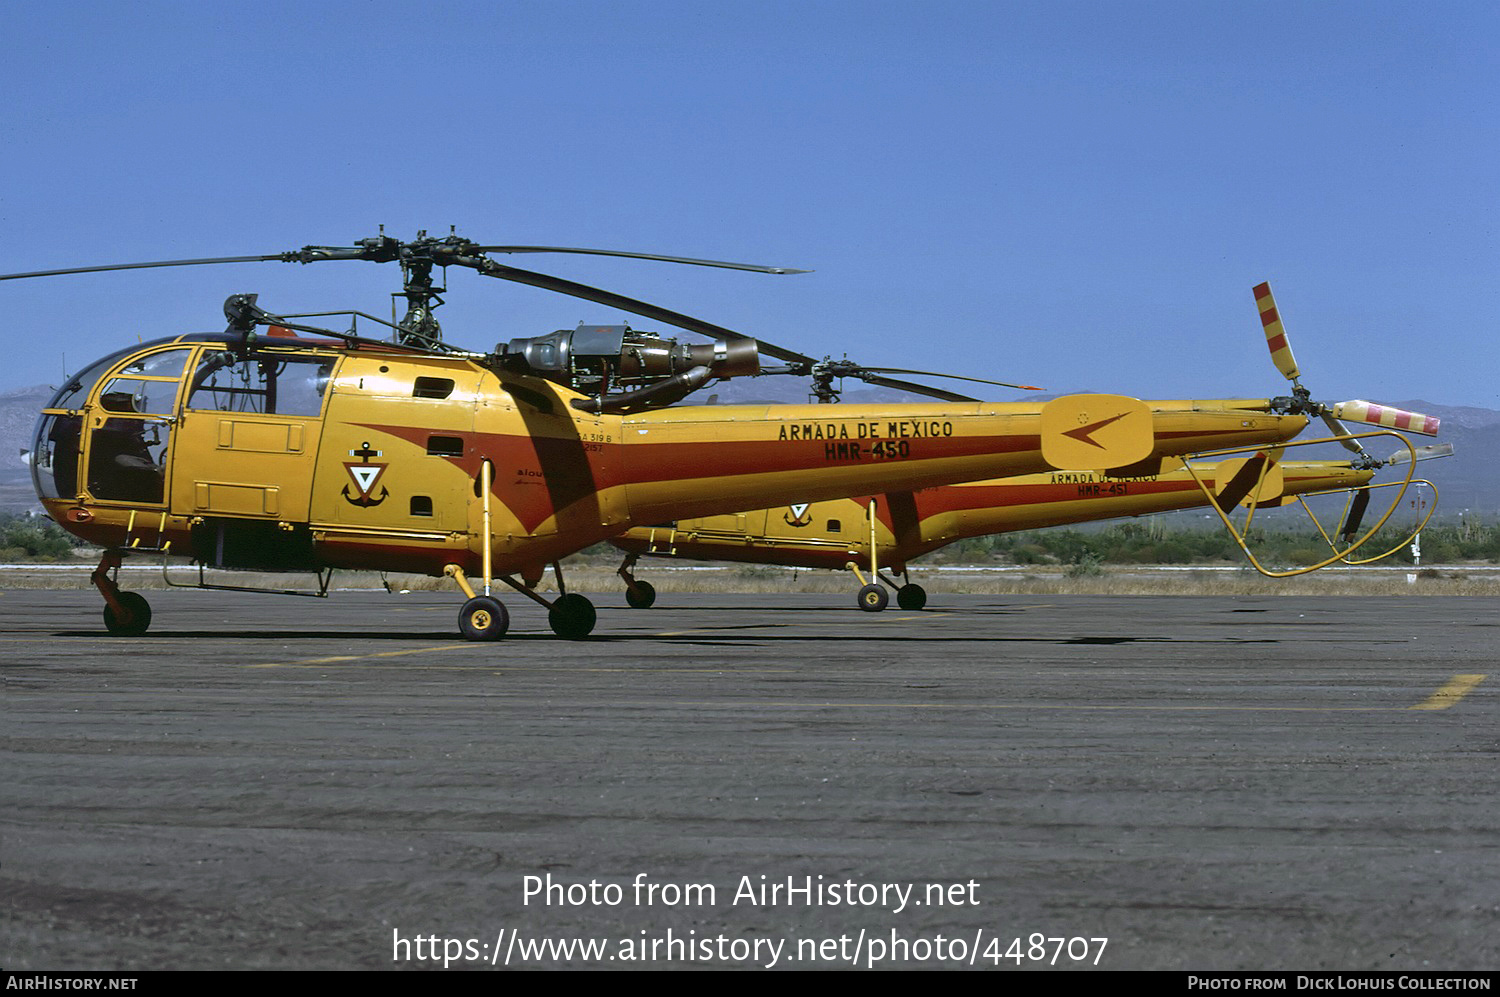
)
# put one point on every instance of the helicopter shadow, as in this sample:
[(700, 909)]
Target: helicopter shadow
[(707, 640)]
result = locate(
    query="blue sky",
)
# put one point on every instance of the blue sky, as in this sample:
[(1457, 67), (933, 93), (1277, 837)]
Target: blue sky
[(1076, 195)]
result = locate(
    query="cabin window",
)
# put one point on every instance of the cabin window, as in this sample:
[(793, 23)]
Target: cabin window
[(445, 446), (267, 384), (421, 505), (834, 526), (432, 387)]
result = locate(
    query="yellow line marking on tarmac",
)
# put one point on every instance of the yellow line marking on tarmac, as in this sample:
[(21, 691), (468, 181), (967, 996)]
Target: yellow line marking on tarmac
[(540, 668), (339, 658), (1451, 692), (358, 657)]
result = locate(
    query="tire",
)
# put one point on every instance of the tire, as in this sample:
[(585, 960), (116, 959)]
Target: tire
[(873, 598), (643, 596), (572, 617), (483, 618), (136, 620), (911, 597)]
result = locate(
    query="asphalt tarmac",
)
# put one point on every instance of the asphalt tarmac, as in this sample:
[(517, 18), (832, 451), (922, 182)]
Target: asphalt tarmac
[(1051, 783)]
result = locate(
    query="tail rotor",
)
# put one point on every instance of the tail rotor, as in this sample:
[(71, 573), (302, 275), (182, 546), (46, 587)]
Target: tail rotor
[(1333, 414)]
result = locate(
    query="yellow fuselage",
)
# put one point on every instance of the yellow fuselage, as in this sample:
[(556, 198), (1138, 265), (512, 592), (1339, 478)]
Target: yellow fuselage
[(309, 454), (909, 524)]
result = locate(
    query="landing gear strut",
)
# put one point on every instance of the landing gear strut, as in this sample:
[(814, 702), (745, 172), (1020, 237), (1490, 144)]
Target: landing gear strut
[(638, 594), (483, 617), (126, 614), (872, 596)]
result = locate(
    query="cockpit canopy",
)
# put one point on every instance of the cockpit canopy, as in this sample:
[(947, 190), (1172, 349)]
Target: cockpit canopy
[(129, 402)]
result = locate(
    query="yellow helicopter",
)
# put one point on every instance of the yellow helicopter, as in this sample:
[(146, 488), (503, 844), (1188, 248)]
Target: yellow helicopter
[(280, 446), (876, 536), (890, 530)]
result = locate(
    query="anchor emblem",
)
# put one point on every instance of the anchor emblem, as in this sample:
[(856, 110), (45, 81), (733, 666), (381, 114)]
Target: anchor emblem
[(366, 476)]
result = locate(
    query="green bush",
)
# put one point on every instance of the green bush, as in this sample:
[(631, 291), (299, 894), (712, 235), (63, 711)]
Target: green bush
[(34, 538)]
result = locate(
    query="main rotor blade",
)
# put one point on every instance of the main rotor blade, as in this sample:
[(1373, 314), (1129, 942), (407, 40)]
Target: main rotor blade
[(610, 299), (955, 377), (638, 256), (275, 258), (918, 389)]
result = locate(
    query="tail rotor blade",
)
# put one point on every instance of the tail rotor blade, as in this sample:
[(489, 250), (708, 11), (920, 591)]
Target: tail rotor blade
[(1422, 453), (1355, 517), (1385, 416), (1270, 319), (1342, 432)]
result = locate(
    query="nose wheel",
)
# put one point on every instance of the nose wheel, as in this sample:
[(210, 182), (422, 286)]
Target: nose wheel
[(638, 594), (642, 596), (126, 614), (134, 616)]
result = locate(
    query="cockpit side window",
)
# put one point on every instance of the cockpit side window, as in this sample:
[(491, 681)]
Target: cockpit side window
[(127, 459), (147, 385), (139, 397), (128, 433)]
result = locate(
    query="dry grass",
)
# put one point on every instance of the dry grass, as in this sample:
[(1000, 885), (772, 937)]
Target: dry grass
[(749, 579)]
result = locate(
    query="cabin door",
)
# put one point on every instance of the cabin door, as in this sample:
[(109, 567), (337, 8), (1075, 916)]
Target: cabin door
[(247, 439)]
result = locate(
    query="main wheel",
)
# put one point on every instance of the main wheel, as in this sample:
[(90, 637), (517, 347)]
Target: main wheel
[(483, 618), (572, 616), (137, 616), (640, 597), (912, 596), (873, 598)]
